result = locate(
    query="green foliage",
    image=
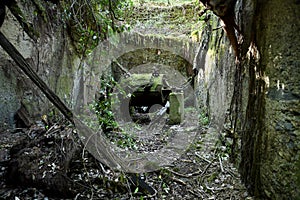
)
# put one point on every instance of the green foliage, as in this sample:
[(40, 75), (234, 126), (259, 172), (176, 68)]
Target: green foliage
[(126, 141), (203, 118), (102, 106), (89, 22), (164, 173)]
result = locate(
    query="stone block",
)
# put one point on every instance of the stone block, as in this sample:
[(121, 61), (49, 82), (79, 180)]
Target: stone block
[(176, 115)]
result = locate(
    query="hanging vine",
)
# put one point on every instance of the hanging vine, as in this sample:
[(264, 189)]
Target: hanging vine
[(90, 21)]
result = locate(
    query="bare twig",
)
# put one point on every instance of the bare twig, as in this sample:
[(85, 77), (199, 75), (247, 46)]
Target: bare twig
[(54, 129), (194, 193), (185, 175), (179, 174), (213, 189), (202, 158), (177, 180), (221, 165), (207, 166), (187, 161), (219, 27), (124, 70)]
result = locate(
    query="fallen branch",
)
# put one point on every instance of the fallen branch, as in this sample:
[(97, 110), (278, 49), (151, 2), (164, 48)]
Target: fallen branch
[(185, 175), (179, 174), (193, 193), (27, 69), (208, 161), (177, 180), (207, 166)]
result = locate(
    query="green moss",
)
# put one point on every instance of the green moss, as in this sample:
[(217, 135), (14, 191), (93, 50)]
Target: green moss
[(176, 108), (298, 175), (28, 28), (212, 177), (138, 80), (64, 85), (41, 9), (171, 20), (277, 144)]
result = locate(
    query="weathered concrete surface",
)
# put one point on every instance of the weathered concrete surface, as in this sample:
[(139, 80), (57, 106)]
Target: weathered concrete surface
[(275, 163), (9, 102), (269, 119), (133, 49), (176, 108), (51, 57), (215, 63)]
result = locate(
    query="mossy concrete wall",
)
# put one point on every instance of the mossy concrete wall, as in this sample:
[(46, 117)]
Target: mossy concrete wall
[(269, 119), (133, 49), (51, 56), (74, 79), (215, 64), (278, 40)]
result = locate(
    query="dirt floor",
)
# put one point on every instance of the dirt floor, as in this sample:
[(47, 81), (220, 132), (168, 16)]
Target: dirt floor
[(50, 163)]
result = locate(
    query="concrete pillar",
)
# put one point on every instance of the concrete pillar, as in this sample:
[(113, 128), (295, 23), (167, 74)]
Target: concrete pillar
[(176, 107)]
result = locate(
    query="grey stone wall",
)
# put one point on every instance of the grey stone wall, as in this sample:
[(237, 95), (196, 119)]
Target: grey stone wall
[(279, 45), (270, 133), (51, 56), (215, 62), (269, 119)]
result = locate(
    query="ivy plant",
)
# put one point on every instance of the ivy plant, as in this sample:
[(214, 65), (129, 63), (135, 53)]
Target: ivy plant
[(89, 22)]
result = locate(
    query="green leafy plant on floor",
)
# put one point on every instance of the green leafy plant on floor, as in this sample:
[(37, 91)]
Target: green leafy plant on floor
[(203, 118), (102, 105), (106, 119), (126, 141)]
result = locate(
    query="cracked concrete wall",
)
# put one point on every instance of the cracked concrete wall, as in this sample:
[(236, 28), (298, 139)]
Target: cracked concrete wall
[(269, 132), (274, 138), (51, 56), (215, 63)]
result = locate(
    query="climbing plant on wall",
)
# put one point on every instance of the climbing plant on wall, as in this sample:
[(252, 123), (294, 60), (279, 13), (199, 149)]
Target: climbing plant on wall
[(90, 21)]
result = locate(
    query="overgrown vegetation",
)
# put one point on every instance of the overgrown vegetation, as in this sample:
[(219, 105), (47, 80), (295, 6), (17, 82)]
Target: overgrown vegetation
[(106, 119), (203, 118), (170, 18), (102, 105), (199, 173), (89, 22)]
